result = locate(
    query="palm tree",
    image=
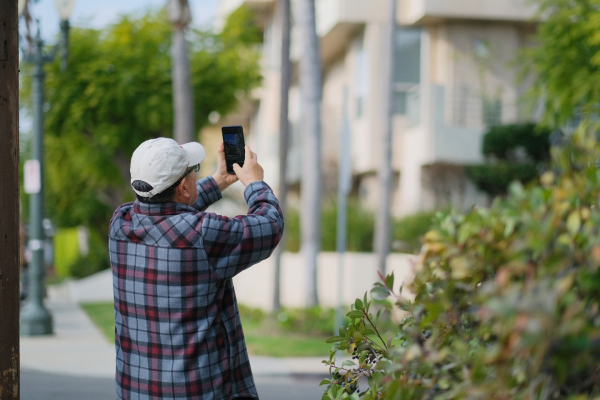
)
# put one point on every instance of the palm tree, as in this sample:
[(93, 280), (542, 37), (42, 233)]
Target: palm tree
[(286, 72), (183, 98), (310, 87), (383, 221)]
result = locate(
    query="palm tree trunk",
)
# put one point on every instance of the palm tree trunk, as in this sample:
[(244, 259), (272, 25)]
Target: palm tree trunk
[(310, 87), (286, 73), (383, 222), (183, 97)]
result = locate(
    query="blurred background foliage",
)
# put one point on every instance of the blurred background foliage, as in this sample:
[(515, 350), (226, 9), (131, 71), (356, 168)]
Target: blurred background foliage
[(116, 93), (564, 62), (406, 232), (515, 152)]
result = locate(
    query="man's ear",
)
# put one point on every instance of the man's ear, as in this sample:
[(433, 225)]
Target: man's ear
[(181, 193)]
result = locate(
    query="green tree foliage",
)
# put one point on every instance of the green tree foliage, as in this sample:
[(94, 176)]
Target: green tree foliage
[(116, 93), (565, 60), (513, 153), (506, 300)]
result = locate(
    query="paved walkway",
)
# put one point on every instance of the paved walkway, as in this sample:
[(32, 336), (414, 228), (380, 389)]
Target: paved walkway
[(78, 348)]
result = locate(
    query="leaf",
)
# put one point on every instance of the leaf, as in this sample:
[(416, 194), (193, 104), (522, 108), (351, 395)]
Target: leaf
[(461, 267), (334, 339), (574, 222), (389, 281), (324, 382), (380, 293), (355, 314), (358, 304), (357, 336), (351, 347), (348, 363)]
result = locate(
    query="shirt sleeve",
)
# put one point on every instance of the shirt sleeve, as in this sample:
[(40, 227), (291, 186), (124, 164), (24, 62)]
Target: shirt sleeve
[(208, 193), (234, 244)]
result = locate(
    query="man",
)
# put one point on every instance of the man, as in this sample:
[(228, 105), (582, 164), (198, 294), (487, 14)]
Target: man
[(178, 333)]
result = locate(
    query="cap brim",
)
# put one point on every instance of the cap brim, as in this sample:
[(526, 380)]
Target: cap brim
[(195, 151)]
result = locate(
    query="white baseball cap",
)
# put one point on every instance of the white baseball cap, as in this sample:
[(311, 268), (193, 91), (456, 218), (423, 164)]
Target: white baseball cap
[(162, 162)]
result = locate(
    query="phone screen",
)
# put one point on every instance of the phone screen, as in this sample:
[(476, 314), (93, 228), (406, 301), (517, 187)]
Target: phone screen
[(233, 139)]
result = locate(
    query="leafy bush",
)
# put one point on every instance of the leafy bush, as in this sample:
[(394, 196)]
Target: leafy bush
[(494, 179), (312, 320), (513, 153), (406, 232), (308, 321), (95, 261), (506, 300), (503, 142)]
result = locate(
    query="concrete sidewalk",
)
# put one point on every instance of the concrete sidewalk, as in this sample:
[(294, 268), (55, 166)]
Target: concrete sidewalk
[(78, 348)]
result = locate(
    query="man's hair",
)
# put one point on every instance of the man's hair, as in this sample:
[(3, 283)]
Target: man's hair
[(163, 197)]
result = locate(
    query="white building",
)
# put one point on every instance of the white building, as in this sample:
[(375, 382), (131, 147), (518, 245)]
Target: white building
[(453, 74)]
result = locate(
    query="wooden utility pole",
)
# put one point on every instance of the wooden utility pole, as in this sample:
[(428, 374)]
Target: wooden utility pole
[(9, 201)]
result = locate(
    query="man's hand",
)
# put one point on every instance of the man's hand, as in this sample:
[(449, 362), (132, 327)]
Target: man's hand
[(222, 177), (251, 171)]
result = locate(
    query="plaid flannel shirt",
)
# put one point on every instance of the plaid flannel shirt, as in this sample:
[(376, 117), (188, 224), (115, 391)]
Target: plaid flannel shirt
[(178, 333)]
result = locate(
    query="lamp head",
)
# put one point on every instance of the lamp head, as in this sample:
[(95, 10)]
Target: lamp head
[(21, 6), (65, 8)]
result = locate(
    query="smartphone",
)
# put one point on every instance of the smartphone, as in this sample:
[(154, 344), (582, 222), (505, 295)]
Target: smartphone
[(233, 139)]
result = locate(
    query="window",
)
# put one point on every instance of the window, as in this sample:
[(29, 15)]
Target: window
[(407, 68), (361, 78)]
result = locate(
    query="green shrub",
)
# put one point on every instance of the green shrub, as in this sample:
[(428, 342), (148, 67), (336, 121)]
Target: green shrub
[(507, 300), (308, 321), (513, 153), (312, 320), (406, 232), (66, 251), (494, 179), (95, 261), (361, 225), (502, 142)]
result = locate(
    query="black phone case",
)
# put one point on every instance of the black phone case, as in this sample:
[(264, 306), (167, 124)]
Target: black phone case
[(235, 152)]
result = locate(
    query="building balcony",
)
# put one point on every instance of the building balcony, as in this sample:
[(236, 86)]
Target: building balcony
[(422, 12), (456, 120), (339, 20)]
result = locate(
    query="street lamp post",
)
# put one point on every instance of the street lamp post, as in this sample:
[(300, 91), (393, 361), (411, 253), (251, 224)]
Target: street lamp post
[(35, 318), (65, 8)]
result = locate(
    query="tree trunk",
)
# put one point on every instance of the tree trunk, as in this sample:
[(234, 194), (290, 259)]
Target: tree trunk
[(286, 73), (9, 201), (383, 222), (310, 87), (183, 97)]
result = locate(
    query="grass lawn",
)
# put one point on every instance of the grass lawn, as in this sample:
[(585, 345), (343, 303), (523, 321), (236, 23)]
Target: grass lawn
[(103, 315), (264, 334)]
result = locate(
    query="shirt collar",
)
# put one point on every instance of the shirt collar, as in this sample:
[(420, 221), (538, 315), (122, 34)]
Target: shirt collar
[(168, 208)]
